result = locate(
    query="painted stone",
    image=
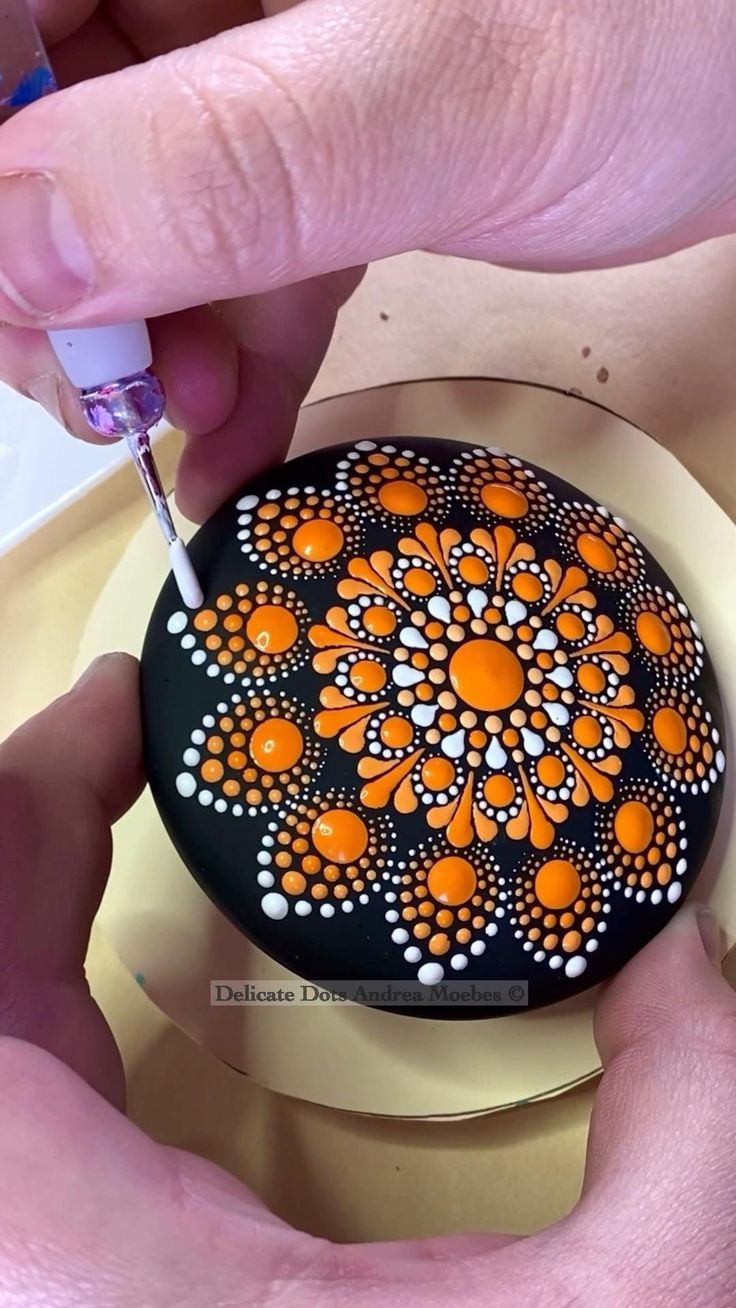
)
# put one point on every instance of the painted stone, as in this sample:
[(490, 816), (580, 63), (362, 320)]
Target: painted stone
[(441, 717)]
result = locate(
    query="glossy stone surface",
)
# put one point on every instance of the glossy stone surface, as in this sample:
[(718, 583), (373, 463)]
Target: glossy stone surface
[(441, 719)]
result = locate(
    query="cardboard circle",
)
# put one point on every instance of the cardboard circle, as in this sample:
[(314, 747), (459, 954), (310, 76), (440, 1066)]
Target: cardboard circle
[(370, 1061)]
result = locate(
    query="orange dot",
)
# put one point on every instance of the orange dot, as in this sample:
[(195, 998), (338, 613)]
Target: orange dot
[(437, 773), (653, 634), (571, 941), (570, 626), (272, 628), (236, 760), (212, 770), (367, 675), (499, 791), (591, 678), (439, 943), (596, 553), (419, 581), (486, 674), (472, 570), (557, 883), (634, 826), (233, 622), (293, 883), (379, 620), (276, 744), (231, 788), (669, 730), (215, 744), (402, 497), (451, 880), (550, 771), (311, 864), (340, 835), (396, 732), (318, 540), (205, 620), (504, 500), (527, 586), (587, 732)]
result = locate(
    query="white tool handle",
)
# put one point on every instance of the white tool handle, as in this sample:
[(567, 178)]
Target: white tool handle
[(94, 356)]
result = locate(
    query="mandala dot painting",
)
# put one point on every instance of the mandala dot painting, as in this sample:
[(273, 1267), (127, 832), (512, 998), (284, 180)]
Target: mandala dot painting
[(440, 716)]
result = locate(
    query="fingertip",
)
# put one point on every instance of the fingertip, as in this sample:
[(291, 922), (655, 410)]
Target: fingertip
[(670, 980), (196, 359)]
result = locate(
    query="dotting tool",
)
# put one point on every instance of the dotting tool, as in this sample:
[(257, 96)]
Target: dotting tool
[(109, 366)]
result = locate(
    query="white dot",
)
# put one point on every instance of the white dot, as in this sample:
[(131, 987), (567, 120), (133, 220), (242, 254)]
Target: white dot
[(412, 954), (302, 908), (213, 670), (539, 956), (327, 910), (575, 966), (591, 946), (478, 947), (430, 974), (556, 961), (492, 929), (197, 737), (188, 641), (205, 798), (237, 810), (191, 757), (720, 760), (263, 857), (177, 622), (459, 962), (656, 896), (681, 867), (198, 657), (221, 805), (265, 879), (392, 915), (362, 899), (186, 784), (674, 892), (247, 502), (274, 906), (400, 936)]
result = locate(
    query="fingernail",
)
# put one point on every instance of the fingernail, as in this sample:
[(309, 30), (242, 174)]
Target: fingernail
[(96, 666), (45, 266), (59, 399), (46, 391), (710, 934)]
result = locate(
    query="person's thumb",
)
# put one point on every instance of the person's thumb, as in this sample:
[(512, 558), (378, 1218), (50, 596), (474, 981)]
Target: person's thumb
[(660, 1174), (335, 133)]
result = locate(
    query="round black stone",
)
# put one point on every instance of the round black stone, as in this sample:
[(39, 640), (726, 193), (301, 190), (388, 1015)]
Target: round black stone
[(443, 728)]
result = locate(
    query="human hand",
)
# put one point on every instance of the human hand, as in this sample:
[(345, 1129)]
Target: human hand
[(260, 162), (93, 1213)]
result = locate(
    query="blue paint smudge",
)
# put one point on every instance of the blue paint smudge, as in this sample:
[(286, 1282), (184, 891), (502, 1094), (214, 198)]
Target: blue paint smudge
[(140, 978), (30, 87)]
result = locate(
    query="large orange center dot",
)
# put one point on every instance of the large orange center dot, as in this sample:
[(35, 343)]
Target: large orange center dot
[(451, 880), (276, 745), (634, 826), (272, 628), (318, 541), (339, 835), (596, 553), (486, 674), (506, 501), (367, 675), (378, 620), (402, 497), (653, 634), (669, 730), (557, 883)]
